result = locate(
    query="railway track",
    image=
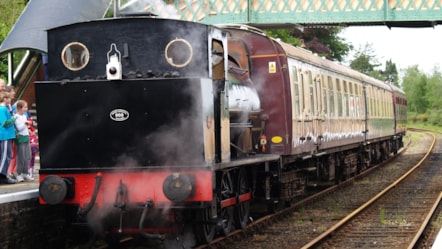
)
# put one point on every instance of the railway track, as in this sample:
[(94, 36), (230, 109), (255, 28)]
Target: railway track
[(394, 218), (305, 221)]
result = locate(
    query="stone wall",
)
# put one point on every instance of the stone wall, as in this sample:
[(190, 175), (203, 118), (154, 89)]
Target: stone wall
[(27, 224)]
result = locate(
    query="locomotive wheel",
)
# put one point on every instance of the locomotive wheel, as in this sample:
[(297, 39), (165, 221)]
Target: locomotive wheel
[(205, 228), (226, 191), (242, 210)]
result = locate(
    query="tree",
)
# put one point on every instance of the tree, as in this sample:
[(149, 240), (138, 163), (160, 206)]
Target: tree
[(324, 42), (434, 90), (11, 10), (285, 35), (391, 73), (365, 61), (414, 84), (339, 47), (434, 93)]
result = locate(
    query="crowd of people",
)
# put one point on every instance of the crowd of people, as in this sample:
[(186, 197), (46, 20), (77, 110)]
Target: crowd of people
[(18, 140)]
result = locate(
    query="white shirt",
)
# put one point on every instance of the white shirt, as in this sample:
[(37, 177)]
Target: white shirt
[(21, 126)]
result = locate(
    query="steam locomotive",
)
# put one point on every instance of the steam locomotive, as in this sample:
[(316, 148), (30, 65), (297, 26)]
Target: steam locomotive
[(164, 128)]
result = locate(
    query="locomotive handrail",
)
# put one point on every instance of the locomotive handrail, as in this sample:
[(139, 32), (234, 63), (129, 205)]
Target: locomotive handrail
[(88, 207), (141, 223)]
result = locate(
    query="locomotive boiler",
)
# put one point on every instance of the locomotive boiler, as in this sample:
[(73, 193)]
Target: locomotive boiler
[(162, 127)]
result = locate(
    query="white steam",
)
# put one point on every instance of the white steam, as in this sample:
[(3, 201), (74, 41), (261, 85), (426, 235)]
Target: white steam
[(157, 7)]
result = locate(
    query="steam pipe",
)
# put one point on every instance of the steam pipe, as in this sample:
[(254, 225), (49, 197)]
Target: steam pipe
[(88, 207), (148, 204)]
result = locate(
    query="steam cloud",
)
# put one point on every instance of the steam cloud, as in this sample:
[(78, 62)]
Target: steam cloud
[(157, 7)]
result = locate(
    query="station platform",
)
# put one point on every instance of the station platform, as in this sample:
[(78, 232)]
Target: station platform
[(20, 191)]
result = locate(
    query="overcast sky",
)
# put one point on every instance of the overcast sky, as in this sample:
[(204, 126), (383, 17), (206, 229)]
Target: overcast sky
[(404, 46)]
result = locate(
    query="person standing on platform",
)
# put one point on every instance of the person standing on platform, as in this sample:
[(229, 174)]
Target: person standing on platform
[(7, 134), (23, 148), (12, 170), (33, 141)]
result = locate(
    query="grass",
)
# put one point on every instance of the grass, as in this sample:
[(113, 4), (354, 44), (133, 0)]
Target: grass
[(337, 209), (424, 125), (438, 222), (382, 215)]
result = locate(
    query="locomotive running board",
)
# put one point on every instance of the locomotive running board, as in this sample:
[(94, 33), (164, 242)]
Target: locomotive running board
[(257, 159)]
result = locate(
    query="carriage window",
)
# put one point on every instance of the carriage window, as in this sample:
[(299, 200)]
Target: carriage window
[(374, 103), (302, 100), (312, 101), (384, 105), (339, 97), (377, 102), (75, 56), (358, 101), (351, 101), (345, 100), (331, 96), (324, 97), (295, 90)]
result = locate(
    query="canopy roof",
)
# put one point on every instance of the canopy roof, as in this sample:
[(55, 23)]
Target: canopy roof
[(29, 32)]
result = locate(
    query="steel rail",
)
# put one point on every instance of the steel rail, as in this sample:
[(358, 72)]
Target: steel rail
[(346, 219), (425, 223)]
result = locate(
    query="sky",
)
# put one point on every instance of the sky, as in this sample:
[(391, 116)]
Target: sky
[(404, 46)]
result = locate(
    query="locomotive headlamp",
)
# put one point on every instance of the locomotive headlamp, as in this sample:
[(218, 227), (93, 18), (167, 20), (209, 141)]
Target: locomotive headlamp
[(114, 69), (178, 187), (54, 189)]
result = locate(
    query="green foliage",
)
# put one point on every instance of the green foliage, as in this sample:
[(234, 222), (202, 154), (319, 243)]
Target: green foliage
[(10, 11), (285, 35), (414, 83), (3, 67), (425, 125), (435, 117), (424, 93), (391, 73), (339, 47), (364, 60), (324, 42), (434, 90)]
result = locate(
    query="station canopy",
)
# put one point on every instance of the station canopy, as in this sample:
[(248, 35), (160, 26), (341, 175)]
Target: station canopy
[(29, 32)]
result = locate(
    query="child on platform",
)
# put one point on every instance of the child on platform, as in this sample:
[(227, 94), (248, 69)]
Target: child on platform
[(33, 141), (7, 134), (23, 148)]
